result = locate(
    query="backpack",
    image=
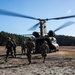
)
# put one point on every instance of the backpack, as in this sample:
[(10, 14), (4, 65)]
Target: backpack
[(9, 44)]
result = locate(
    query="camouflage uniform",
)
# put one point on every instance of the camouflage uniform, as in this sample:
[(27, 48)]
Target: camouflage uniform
[(23, 47), (14, 47), (30, 45), (44, 50), (9, 46)]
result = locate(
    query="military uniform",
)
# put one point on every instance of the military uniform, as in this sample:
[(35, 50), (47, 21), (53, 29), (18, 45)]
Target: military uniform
[(30, 46), (9, 46), (44, 50), (23, 47), (14, 48)]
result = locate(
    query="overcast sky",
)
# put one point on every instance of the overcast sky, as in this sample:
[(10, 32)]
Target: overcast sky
[(38, 9)]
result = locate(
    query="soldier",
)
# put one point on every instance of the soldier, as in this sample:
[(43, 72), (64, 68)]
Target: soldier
[(44, 50), (14, 47), (23, 47), (30, 46), (9, 46)]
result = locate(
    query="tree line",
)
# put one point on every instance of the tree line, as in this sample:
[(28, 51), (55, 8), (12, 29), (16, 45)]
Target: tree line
[(62, 40), (4, 35), (65, 40)]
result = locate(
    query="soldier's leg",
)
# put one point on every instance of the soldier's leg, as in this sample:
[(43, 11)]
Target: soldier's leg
[(44, 57), (7, 54), (22, 51), (15, 52), (29, 58), (11, 52)]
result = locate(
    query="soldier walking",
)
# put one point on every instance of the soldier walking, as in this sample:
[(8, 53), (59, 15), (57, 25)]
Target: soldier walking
[(30, 46), (23, 47), (9, 46), (44, 50), (14, 47)]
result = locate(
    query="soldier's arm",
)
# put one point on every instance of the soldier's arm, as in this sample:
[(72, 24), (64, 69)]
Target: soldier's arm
[(12, 43), (15, 44)]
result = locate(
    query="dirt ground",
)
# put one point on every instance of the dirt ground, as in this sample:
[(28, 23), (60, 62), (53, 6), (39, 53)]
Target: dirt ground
[(65, 53), (61, 62)]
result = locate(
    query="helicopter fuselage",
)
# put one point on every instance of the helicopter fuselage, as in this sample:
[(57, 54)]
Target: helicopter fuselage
[(53, 45)]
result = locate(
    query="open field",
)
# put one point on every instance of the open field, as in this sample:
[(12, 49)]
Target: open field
[(61, 62)]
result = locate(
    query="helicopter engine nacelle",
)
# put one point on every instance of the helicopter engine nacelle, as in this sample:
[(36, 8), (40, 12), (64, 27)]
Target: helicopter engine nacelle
[(51, 33), (36, 34)]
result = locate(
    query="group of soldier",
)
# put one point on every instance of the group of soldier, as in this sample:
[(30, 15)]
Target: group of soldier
[(26, 46)]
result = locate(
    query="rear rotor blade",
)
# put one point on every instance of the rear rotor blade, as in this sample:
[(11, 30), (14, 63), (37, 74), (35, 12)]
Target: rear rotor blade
[(8, 13), (34, 27), (64, 25), (65, 17)]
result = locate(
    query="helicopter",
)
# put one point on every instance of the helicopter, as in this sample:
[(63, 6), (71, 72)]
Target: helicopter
[(43, 36)]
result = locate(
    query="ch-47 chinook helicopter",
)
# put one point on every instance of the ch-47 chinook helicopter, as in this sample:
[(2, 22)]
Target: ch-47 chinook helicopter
[(49, 37)]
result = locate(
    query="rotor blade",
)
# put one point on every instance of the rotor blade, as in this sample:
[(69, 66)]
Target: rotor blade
[(34, 27), (65, 17), (8, 13), (64, 25)]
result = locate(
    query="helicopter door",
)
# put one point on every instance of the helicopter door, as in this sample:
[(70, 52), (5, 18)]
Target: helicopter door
[(39, 42)]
